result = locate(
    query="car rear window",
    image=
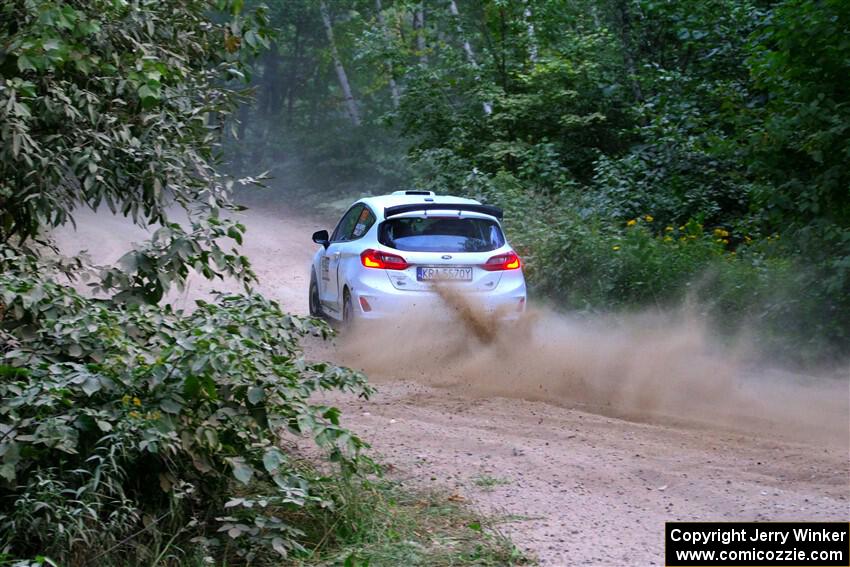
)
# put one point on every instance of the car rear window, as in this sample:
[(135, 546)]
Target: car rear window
[(441, 234)]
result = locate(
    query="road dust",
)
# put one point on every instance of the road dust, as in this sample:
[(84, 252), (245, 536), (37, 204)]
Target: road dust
[(457, 395), (642, 367)]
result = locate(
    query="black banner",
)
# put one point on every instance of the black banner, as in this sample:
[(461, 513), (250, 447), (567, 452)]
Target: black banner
[(757, 544)]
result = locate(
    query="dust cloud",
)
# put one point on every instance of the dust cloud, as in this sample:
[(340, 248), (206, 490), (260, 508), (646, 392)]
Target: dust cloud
[(645, 367)]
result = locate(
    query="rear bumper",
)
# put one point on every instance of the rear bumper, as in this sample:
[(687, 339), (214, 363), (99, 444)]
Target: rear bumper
[(376, 298)]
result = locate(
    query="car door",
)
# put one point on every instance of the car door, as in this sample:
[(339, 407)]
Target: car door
[(329, 288)]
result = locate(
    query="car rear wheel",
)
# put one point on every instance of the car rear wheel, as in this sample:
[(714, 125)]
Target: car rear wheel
[(315, 303)]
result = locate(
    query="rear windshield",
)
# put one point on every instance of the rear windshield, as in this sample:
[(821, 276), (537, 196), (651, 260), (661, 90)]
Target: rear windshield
[(441, 234)]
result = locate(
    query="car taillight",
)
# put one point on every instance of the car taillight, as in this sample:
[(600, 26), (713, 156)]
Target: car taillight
[(509, 261), (382, 260)]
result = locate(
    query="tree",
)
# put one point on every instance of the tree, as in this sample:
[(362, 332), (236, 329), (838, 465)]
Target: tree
[(467, 48), (379, 11), (119, 105), (350, 102), (730, 114), (419, 27)]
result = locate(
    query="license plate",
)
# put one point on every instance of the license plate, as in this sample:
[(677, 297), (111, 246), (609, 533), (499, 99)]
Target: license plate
[(460, 274)]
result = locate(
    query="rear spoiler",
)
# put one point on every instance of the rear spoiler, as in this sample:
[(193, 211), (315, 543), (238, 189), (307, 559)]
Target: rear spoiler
[(459, 207)]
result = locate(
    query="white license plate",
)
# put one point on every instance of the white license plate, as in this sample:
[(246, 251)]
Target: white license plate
[(462, 274)]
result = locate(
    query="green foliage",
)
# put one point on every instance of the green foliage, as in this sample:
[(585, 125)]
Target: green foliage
[(381, 524), (549, 121), (294, 128), (486, 482), (720, 113), (801, 140), (147, 272), (134, 434), (583, 115), (118, 419), (119, 104)]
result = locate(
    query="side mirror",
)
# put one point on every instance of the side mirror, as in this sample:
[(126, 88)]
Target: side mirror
[(322, 237)]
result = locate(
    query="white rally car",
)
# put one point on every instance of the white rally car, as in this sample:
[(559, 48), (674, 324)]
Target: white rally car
[(387, 254)]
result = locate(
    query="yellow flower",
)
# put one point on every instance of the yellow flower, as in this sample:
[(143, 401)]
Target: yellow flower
[(747, 239), (692, 236), (137, 402), (682, 227), (682, 239), (668, 229), (135, 414), (615, 248), (631, 222), (125, 399), (718, 240), (649, 218), (725, 241), (668, 239), (718, 232)]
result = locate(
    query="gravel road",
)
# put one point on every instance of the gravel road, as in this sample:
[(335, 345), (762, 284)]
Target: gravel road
[(576, 475)]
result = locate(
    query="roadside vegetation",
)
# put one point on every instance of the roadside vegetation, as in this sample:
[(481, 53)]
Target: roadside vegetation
[(382, 523), (132, 433), (485, 482), (648, 153)]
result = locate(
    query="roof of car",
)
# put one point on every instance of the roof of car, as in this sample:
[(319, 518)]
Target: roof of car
[(379, 203)]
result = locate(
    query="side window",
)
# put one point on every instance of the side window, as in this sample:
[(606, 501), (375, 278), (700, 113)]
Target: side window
[(364, 223), (346, 224), (354, 224)]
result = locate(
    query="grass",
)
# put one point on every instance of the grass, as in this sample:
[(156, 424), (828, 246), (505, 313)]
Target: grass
[(489, 482), (381, 523), (364, 521), (373, 522)]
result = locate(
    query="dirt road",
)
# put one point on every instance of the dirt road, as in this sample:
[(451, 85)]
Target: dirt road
[(278, 244), (571, 439), (576, 488)]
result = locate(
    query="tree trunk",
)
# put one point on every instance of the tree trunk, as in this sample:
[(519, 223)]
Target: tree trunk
[(270, 81), (595, 13), (295, 75), (419, 26), (467, 47), (529, 30), (350, 102), (317, 82), (383, 24)]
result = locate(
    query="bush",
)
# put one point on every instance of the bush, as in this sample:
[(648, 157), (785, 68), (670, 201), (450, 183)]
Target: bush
[(120, 421), (740, 283), (582, 258)]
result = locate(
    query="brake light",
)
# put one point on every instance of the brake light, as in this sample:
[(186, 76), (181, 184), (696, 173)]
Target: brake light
[(382, 260), (509, 261)]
